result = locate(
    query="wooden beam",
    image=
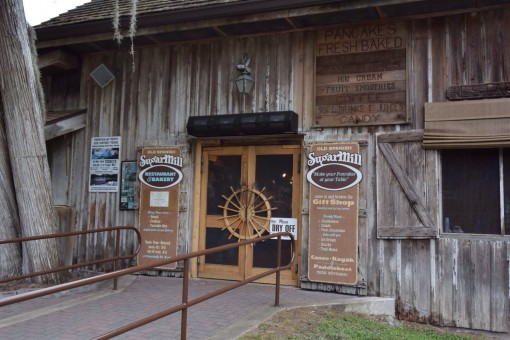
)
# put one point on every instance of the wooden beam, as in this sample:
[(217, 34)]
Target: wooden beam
[(63, 126), (407, 232), (407, 186), (291, 23), (401, 137), (479, 91), (380, 13), (61, 59), (154, 39), (219, 31)]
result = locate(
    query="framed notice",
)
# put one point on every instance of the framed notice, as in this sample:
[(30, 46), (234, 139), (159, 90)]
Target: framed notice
[(127, 185), (104, 164), (360, 75), (334, 176), (159, 177)]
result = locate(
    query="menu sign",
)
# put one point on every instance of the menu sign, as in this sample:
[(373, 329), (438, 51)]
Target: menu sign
[(160, 174), (361, 75), (334, 176)]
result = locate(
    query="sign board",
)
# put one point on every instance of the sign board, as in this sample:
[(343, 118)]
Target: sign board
[(127, 185), (278, 225), (360, 75), (104, 164), (160, 175), (334, 176), (478, 91)]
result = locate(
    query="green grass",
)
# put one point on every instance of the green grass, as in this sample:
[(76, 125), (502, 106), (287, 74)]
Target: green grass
[(325, 324), (356, 327)]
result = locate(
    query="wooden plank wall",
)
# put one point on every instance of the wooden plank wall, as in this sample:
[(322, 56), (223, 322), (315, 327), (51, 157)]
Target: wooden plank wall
[(459, 281), (452, 281)]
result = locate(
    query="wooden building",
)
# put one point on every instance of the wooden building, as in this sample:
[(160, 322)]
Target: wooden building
[(379, 130)]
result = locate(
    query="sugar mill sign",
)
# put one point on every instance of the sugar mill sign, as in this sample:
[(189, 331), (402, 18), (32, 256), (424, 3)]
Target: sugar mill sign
[(334, 174), (160, 175)]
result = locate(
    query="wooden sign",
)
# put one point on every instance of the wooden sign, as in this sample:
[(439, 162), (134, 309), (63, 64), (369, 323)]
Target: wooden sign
[(478, 91), (160, 174), (360, 75), (334, 178)]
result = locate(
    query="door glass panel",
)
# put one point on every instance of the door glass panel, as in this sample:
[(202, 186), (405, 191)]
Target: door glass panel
[(216, 237), (224, 172), (264, 253), (274, 173)]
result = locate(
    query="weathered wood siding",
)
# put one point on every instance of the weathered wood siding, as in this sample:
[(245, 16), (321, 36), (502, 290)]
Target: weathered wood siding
[(461, 281), (453, 281)]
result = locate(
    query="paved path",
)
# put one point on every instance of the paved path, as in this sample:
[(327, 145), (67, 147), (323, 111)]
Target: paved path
[(86, 315)]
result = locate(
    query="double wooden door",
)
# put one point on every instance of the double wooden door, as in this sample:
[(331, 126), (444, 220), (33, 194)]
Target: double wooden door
[(242, 188)]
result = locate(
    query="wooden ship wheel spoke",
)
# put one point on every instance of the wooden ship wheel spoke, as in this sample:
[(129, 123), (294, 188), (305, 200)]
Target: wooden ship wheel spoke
[(246, 213)]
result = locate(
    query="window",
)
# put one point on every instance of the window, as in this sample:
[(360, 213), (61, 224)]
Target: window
[(476, 191)]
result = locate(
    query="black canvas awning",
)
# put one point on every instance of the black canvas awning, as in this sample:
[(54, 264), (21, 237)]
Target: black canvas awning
[(266, 123)]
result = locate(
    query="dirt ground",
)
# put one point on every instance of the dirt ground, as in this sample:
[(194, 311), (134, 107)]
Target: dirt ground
[(18, 285), (26, 284), (301, 323)]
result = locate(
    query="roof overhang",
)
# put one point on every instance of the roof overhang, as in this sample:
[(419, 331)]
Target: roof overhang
[(249, 17)]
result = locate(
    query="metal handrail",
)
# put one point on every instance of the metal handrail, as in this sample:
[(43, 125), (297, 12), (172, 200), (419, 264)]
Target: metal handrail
[(183, 307), (115, 259)]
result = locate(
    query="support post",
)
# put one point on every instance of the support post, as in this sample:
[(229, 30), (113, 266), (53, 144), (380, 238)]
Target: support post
[(278, 264), (117, 254), (184, 311)]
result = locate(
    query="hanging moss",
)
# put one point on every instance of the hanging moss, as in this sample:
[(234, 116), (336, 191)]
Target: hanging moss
[(116, 23), (132, 31), (117, 35)]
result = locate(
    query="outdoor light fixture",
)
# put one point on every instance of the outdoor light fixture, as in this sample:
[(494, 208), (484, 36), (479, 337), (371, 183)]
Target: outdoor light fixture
[(244, 82)]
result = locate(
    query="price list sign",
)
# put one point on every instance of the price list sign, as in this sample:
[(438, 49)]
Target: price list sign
[(360, 75), (334, 176), (160, 175)]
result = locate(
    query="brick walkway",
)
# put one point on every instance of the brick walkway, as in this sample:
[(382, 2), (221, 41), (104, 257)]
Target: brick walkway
[(86, 315)]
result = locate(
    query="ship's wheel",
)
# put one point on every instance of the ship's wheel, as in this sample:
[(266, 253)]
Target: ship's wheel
[(246, 213)]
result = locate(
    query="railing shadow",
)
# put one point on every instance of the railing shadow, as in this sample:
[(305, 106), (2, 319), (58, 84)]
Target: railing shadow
[(115, 259), (186, 303)]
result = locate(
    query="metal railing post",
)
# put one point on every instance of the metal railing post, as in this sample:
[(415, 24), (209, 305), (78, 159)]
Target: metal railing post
[(278, 264), (186, 303), (184, 311), (117, 254), (77, 265)]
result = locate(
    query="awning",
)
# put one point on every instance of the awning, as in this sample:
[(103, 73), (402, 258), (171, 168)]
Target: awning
[(243, 124), (467, 124)]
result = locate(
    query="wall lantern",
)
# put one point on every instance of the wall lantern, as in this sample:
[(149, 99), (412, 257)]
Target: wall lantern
[(244, 82)]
